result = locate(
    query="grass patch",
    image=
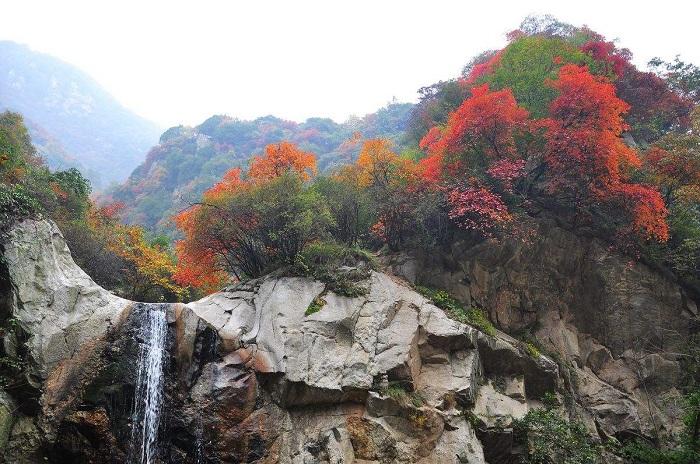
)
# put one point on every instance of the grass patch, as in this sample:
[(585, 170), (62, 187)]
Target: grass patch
[(402, 396), (342, 269), (455, 310), (315, 306), (532, 350)]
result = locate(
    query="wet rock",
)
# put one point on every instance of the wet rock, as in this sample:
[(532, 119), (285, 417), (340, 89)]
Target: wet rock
[(8, 410)]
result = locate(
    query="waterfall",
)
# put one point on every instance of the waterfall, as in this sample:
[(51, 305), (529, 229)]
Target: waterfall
[(148, 397)]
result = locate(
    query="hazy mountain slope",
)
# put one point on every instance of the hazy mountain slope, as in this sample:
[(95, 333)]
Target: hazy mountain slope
[(189, 160), (69, 108)]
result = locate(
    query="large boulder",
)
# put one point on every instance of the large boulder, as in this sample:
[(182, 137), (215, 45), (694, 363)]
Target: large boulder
[(61, 308), (251, 375)]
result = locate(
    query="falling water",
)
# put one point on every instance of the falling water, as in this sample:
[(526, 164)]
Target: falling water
[(149, 385)]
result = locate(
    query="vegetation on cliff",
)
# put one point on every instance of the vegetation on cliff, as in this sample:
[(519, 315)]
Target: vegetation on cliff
[(583, 137), (119, 257), (508, 140), (559, 123)]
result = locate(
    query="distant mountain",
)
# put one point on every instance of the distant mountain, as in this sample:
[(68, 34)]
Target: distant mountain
[(75, 121), (189, 160)]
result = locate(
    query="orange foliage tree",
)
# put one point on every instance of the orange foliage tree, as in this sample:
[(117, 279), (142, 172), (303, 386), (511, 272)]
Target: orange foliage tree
[(478, 151), (202, 255), (390, 180), (280, 158), (243, 226), (146, 268)]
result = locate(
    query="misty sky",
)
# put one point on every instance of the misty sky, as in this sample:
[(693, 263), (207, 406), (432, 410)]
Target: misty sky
[(180, 62)]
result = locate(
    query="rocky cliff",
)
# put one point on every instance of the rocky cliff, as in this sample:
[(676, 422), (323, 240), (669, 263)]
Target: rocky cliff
[(252, 376)]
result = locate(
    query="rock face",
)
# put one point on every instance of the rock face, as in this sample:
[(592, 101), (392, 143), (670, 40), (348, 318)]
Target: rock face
[(250, 377), (619, 324)]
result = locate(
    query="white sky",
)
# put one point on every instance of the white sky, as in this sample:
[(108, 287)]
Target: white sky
[(180, 62)]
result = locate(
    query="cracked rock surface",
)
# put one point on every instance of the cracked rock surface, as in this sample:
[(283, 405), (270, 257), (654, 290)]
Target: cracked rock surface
[(385, 377)]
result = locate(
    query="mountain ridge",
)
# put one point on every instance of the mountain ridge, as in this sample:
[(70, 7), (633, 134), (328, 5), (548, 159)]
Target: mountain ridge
[(188, 160), (101, 135)]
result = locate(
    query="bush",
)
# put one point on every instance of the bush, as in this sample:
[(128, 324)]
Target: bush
[(341, 268), (687, 449), (551, 439), (15, 204), (404, 397), (532, 350), (455, 310), (315, 306)]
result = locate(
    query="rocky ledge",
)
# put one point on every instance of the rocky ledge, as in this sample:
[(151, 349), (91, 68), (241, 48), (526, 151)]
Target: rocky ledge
[(253, 376)]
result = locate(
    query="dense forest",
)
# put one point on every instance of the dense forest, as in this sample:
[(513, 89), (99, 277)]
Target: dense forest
[(189, 160), (558, 124)]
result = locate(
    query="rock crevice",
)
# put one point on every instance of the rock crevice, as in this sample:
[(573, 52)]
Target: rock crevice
[(384, 377)]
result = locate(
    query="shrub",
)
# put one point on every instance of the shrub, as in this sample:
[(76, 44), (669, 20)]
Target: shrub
[(341, 268), (404, 397), (15, 204), (315, 306), (532, 350), (687, 449), (551, 439), (454, 309)]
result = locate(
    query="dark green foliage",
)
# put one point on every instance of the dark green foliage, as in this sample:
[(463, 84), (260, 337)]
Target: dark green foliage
[(454, 309), (74, 190), (265, 227), (682, 77), (686, 450), (11, 364), (551, 439), (436, 103), (27, 187), (15, 204), (344, 270), (681, 253), (351, 207)]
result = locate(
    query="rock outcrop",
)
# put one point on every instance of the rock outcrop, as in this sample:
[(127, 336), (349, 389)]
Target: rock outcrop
[(385, 377), (618, 324)]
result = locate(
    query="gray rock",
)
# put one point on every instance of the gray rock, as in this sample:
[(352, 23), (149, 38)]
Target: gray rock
[(8, 411), (385, 377), (61, 308)]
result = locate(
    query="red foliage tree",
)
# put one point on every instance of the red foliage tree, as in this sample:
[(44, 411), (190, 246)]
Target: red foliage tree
[(584, 146), (616, 61), (486, 122), (655, 108), (506, 171), (586, 155), (477, 208), (482, 69)]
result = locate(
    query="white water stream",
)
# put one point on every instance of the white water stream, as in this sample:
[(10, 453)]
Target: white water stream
[(149, 387)]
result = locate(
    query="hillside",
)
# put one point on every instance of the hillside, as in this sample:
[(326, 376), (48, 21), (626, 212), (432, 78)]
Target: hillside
[(67, 107), (189, 160), (506, 272)]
